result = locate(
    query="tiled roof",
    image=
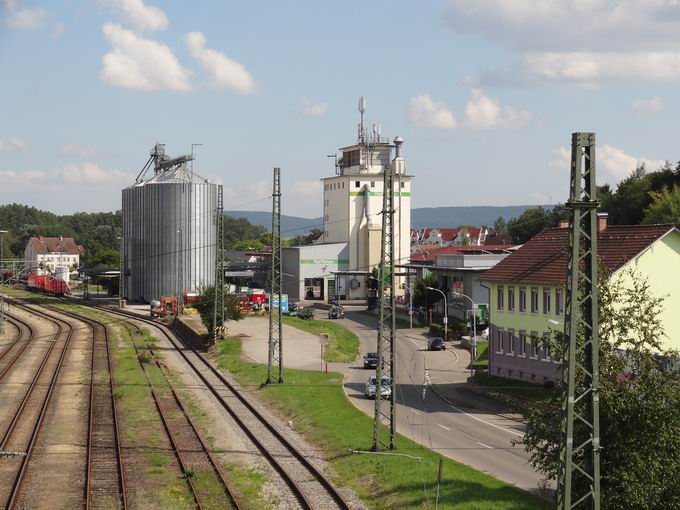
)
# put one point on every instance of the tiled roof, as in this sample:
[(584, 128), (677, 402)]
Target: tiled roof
[(65, 245), (543, 259), (428, 253)]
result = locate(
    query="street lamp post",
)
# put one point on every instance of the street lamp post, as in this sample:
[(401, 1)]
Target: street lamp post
[(446, 313), (473, 348)]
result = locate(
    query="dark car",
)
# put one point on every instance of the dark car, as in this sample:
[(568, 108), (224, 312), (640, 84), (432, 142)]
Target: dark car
[(336, 312), (371, 360), (436, 344)]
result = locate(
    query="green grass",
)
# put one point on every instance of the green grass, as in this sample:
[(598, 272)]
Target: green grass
[(343, 345), (318, 408), (482, 359), (520, 389)]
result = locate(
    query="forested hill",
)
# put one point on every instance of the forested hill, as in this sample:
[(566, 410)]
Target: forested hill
[(420, 217), (97, 232)]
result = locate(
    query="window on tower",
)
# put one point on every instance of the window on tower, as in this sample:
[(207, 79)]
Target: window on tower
[(357, 184), (372, 184)]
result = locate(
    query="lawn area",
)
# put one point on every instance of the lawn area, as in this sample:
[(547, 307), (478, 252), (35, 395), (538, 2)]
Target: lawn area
[(343, 345), (317, 406), (482, 359), (521, 389)]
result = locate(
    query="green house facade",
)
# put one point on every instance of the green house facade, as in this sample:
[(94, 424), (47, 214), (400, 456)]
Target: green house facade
[(527, 292)]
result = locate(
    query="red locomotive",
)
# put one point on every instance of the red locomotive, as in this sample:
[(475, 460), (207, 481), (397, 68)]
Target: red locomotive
[(47, 285)]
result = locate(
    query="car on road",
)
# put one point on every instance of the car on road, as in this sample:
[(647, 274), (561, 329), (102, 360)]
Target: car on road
[(436, 344), (371, 360), (385, 387), (336, 312)]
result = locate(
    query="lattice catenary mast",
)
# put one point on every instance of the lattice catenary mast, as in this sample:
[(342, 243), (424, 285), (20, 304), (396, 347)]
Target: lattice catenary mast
[(579, 477), (275, 358), (386, 324), (218, 305)]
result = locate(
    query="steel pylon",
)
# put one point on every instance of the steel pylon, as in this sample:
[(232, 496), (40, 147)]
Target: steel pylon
[(579, 477), (219, 315), (275, 358), (384, 413)]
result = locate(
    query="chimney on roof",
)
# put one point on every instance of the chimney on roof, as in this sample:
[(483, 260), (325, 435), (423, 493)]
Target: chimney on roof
[(602, 221), (563, 223)]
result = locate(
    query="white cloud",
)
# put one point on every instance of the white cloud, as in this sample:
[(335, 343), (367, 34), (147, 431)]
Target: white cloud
[(576, 40), (482, 112), (89, 174), (138, 63), (568, 25), (652, 105), (23, 18), (592, 67), (311, 109), (12, 144), (304, 188), (424, 112), (73, 149), (222, 71), (613, 164), (142, 17)]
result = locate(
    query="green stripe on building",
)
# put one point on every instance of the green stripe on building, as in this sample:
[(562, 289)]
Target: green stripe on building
[(378, 193), (324, 261)]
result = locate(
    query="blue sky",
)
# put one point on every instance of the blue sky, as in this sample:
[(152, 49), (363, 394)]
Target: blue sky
[(485, 94)]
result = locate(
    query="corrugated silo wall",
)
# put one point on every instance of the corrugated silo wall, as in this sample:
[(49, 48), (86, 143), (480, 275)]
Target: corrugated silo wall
[(169, 232)]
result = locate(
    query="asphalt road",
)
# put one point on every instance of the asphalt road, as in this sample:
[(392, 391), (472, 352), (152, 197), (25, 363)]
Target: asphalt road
[(475, 436)]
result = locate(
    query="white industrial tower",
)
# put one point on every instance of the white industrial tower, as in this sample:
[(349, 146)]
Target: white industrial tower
[(353, 201)]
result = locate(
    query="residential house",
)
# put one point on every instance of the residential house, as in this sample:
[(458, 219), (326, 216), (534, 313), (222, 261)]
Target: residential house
[(527, 291), (49, 253)]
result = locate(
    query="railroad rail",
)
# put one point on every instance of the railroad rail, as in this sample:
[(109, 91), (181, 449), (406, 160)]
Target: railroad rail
[(17, 346), (310, 487), (42, 387), (104, 475), (189, 447)]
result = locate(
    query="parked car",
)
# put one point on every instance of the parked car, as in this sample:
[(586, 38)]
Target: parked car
[(293, 309), (385, 387), (436, 344), (371, 360), (336, 312)]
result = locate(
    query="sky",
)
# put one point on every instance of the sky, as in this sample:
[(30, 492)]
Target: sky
[(485, 94)]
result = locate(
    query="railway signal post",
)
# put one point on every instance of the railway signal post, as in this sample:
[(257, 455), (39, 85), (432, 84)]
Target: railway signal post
[(579, 477), (384, 413), (218, 303)]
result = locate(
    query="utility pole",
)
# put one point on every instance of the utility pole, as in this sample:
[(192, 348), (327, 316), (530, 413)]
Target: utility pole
[(275, 358), (2, 277), (218, 304), (121, 272), (386, 324), (579, 477)]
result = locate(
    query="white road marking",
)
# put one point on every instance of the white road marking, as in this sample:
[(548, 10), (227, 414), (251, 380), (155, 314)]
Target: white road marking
[(417, 412), (414, 343), (444, 427), (518, 434), (485, 445)]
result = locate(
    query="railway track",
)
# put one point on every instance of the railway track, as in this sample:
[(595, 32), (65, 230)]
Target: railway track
[(308, 485), (17, 346), (190, 449), (104, 474), (26, 424)]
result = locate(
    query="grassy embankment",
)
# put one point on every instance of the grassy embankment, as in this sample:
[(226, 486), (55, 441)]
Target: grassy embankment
[(482, 359), (510, 387), (343, 345), (319, 409)]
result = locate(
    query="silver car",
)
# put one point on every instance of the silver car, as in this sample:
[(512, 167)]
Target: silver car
[(385, 387)]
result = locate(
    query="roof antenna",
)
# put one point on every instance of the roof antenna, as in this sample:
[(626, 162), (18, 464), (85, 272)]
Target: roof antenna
[(362, 109)]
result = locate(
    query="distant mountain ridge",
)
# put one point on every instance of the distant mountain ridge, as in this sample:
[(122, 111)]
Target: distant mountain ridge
[(420, 217)]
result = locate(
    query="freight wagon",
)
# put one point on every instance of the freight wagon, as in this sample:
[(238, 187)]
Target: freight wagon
[(47, 285)]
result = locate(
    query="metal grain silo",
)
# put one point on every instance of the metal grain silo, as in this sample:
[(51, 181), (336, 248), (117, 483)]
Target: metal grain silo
[(169, 230)]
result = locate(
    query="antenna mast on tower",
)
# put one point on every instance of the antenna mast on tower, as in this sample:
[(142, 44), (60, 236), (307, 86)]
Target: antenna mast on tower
[(362, 110)]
